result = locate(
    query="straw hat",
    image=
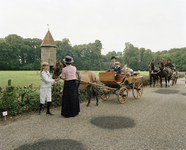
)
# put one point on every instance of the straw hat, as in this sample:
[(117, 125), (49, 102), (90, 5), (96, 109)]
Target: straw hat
[(117, 63), (44, 64)]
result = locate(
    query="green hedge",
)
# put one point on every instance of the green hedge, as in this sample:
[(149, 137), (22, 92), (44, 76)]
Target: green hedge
[(17, 100)]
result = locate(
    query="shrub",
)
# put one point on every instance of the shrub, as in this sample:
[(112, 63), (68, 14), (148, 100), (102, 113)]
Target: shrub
[(16, 99), (145, 80), (9, 102), (181, 74)]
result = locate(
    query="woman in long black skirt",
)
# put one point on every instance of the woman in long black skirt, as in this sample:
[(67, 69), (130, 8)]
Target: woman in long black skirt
[(70, 101)]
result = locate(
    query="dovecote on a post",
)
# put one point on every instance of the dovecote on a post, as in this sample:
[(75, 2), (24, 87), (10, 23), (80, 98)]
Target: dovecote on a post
[(48, 50)]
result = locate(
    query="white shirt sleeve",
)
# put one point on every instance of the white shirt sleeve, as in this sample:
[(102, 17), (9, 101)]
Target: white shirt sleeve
[(46, 78)]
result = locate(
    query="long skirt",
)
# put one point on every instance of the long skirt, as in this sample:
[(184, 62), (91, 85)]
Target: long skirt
[(70, 100)]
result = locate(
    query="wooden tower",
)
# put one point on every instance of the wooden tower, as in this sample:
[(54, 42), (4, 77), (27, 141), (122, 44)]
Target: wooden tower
[(48, 50)]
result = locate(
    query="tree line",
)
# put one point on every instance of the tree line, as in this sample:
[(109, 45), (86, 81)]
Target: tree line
[(17, 53)]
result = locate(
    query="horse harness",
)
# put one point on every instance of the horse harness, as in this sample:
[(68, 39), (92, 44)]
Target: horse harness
[(79, 76), (79, 79)]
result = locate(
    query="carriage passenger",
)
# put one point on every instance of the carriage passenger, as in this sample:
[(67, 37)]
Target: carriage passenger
[(125, 68), (169, 65), (117, 69), (112, 65)]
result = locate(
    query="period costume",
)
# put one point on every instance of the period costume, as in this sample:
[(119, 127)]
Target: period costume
[(169, 65), (127, 69), (45, 89), (70, 101), (112, 65), (117, 69)]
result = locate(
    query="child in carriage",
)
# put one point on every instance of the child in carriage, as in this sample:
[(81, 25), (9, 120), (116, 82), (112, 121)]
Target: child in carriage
[(117, 69), (125, 68)]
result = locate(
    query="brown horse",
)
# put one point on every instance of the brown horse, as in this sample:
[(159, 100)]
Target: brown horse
[(153, 73), (164, 72), (86, 76)]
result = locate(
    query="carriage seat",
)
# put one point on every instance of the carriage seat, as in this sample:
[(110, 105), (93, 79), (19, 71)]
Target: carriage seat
[(120, 77)]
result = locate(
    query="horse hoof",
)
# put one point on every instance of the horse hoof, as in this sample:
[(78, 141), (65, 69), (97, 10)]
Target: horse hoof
[(87, 105), (96, 104)]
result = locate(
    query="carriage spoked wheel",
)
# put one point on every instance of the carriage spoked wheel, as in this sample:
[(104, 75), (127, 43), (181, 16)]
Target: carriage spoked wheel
[(104, 95), (123, 95), (137, 89)]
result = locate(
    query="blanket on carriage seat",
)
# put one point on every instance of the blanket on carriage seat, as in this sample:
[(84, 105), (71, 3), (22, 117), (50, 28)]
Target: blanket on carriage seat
[(127, 69)]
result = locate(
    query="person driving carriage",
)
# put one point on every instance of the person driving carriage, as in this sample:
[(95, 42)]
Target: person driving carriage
[(169, 65), (112, 65)]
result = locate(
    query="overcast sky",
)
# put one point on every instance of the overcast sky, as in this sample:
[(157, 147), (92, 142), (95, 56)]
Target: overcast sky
[(152, 24)]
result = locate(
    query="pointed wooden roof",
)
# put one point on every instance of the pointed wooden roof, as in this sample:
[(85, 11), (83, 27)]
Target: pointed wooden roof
[(48, 40)]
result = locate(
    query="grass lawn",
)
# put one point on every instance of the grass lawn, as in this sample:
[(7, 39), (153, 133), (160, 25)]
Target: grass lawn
[(25, 78)]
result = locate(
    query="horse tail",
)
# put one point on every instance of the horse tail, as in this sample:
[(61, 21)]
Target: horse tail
[(94, 79)]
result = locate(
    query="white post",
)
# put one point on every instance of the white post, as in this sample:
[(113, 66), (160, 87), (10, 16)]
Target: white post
[(4, 114)]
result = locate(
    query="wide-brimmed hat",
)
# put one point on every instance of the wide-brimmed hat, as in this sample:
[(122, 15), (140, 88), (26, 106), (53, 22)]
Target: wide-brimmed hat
[(113, 57), (68, 59), (117, 63)]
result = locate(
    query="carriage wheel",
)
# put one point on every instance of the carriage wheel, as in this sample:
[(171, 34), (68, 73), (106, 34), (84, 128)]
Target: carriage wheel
[(137, 89), (123, 95), (104, 96)]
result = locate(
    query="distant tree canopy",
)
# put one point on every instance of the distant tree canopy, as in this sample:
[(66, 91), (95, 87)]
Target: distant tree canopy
[(17, 53)]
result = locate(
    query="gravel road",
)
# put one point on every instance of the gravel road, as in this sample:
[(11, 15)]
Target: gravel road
[(157, 121)]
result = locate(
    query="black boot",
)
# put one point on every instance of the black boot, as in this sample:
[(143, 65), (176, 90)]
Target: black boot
[(40, 108), (48, 108)]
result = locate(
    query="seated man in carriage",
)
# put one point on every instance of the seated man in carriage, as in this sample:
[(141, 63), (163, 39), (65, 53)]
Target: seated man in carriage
[(169, 65)]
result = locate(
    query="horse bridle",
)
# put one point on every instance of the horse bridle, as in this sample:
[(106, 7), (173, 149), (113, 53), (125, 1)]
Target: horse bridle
[(59, 67)]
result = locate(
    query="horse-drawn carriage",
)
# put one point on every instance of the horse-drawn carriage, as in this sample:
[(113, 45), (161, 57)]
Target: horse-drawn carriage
[(158, 72), (112, 85), (119, 85)]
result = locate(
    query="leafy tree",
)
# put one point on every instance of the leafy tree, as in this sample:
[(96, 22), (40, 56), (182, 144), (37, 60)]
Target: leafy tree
[(131, 56)]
